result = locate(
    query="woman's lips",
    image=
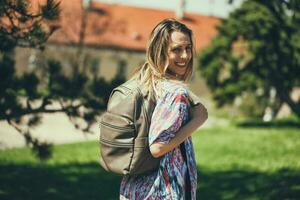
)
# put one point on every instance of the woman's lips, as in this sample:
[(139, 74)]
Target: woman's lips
[(181, 64)]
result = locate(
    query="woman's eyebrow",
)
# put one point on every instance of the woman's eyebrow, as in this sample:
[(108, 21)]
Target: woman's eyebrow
[(180, 45)]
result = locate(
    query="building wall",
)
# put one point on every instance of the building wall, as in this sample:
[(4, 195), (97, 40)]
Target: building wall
[(101, 62)]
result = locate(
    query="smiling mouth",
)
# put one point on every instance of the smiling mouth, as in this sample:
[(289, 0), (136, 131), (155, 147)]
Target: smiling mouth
[(181, 64)]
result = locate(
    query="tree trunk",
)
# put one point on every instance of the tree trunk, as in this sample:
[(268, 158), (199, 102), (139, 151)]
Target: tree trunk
[(285, 97)]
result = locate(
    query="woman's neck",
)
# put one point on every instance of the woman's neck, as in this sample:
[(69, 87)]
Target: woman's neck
[(172, 75)]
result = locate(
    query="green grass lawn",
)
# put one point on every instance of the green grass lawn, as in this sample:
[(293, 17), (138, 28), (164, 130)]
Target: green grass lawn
[(233, 163)]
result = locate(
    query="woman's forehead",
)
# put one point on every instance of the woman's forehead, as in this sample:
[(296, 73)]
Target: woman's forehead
[(179, 38)]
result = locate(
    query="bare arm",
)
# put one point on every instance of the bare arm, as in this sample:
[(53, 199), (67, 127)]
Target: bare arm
[(198, 117)]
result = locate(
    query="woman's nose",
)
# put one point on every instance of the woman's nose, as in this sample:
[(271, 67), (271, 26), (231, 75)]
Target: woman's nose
[(184, 54)]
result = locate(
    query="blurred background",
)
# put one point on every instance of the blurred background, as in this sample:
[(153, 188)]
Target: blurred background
[(59, 61)]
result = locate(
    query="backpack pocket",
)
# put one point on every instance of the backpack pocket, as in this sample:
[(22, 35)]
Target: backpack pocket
[(117, 135), (116, 128)]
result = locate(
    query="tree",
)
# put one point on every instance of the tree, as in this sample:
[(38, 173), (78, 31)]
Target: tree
[(257, 51), (23, 98)]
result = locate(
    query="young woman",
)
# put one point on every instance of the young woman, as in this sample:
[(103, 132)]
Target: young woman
[(169, 62)]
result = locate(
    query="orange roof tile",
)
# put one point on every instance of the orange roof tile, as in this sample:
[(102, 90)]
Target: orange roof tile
[(120, 26)]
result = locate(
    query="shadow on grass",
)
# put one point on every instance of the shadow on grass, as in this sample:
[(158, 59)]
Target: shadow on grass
[(240, 184), (89, 181), (272, 124), (71, 181)]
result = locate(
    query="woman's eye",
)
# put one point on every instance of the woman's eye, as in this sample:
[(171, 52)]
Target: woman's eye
[(176, 50)]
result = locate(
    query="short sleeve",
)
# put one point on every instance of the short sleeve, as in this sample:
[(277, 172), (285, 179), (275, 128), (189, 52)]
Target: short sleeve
[(168, 116)]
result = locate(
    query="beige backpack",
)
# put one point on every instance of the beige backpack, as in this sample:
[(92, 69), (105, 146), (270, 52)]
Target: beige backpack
[(124, 131)]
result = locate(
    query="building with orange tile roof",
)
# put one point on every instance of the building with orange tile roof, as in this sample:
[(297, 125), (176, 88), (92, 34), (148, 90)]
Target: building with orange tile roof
[(112, 37), (123, 27)]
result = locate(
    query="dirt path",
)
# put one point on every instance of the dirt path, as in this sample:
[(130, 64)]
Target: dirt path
[(56, 128)]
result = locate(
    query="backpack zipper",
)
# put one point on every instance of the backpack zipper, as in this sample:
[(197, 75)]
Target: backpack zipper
[(131, 128), (116, 144)]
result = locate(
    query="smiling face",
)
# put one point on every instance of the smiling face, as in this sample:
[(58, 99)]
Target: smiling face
[(179, 53)]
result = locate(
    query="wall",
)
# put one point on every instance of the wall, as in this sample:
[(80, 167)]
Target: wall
[(103, 62)]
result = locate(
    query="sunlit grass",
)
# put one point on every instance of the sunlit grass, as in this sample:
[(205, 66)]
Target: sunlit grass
[(254, 148)]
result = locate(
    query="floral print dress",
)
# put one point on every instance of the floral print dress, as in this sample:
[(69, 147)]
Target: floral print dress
[(169, 181)]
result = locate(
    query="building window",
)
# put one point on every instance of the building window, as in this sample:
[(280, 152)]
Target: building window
[(122, 68), (32, 62), (95, 65)]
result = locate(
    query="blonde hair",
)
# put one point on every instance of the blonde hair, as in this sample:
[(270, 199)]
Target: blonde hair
[(153, 72)]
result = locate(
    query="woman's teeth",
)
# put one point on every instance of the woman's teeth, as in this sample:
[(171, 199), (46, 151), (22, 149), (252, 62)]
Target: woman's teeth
[(181, 64)]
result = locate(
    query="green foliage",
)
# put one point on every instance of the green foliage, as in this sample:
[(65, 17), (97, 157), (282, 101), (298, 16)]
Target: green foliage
[(25, 97), (257, 49), (51, 10), (250, 108), (80, 97), (79, 91), (23, 27), (290, 122)]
